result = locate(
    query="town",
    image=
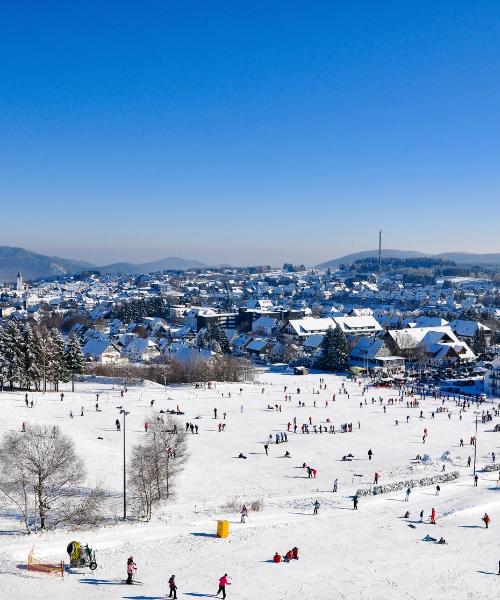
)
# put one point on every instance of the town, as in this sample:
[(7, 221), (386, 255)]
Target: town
[(398, 320)]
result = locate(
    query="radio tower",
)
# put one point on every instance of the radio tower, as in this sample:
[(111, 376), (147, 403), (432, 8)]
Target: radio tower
[(380, 250)]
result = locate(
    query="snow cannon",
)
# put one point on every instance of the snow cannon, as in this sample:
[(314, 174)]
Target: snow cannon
[(81, 556)]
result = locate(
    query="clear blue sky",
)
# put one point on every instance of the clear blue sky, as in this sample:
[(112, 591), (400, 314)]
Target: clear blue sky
[(249, 132)]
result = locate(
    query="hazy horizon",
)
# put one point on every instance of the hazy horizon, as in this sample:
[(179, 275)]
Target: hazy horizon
[(246, 133)]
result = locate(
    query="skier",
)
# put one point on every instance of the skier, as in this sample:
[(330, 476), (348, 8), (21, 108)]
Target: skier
[(172, 587), (486, 520), (131, 567), (438, 489), (433, 516), (375, 478), (407, 494), (223, 581), (266, 448), (62, 397), (355, 503), (475, 480), (370, 454), (335, 485), (316, 507), (117, 423)]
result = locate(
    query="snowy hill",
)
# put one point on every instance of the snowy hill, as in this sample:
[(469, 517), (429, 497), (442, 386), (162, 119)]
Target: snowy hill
[(33, 265)]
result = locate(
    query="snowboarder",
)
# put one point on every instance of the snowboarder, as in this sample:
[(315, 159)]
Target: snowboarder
[(172, 587), (223, 581), (131, 567)]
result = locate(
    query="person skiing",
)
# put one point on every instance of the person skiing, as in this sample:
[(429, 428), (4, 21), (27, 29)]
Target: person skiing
[(355, 503), (375, 478), (266, 448), (223, 581), (486, 520), (131, 567), (117, 423), (316, 507), (407, 494), (335, 483), (172, 587), (475, 480), (433, 516), (370, 454), (438, 489)]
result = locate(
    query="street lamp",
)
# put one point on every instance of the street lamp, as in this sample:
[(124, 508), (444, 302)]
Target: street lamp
[(475, 443), (124, 413)]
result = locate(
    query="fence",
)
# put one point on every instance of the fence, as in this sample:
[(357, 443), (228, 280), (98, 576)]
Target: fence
[(409, 483)]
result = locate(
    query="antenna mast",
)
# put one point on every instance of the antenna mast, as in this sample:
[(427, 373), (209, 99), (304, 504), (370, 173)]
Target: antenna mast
[(380, 250)]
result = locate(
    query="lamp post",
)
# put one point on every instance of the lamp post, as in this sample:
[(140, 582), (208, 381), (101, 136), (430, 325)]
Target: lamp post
[(475, 443), (124, 413)]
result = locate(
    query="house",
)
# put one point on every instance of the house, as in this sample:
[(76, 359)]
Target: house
[(141, 350), (374, 354), (492, 379), (101, 350), (264, 325), (358, 325), (466, 330), (435, 346), (259, 347)]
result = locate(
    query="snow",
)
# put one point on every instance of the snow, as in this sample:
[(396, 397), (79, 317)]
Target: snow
[(369, 554)]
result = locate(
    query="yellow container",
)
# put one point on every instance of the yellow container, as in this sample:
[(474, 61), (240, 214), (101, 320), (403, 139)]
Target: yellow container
[(223, 529)]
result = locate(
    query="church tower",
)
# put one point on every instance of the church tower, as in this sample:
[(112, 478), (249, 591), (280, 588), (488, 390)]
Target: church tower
[(19, 282)]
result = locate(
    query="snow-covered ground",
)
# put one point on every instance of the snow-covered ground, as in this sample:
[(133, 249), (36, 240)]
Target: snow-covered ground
[(370, 553)]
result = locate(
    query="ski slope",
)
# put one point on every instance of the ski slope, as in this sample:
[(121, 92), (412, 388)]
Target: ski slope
[(370, 553)]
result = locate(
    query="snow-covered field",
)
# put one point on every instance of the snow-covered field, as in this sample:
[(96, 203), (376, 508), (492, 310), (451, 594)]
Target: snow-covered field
[(370, 553)]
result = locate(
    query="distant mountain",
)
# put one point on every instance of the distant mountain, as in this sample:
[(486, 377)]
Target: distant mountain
[(36, 266), (349, 258), (33, 265), (469, 258), (465, 258), (170, 263)]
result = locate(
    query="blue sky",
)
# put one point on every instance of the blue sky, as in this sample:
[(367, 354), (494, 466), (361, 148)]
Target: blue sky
[(249, 132)]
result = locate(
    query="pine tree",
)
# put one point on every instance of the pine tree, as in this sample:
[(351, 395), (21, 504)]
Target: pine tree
[(31, 373), (327, 358), (57, 370), (74, 360), (42, 351), (218, 335), (479, 341), (13, 353), (4, 365), (341, 350)]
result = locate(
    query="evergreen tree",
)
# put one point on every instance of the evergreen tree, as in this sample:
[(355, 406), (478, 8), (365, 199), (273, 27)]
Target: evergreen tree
[(42, 350), (74, 360), (341, 350), (57, 369), (4, 365), (31, 373), (479, 341), (334, 351), (13, 353), (327, 358), (219, 335)]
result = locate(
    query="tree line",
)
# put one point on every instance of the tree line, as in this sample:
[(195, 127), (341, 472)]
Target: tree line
[(35, 357)]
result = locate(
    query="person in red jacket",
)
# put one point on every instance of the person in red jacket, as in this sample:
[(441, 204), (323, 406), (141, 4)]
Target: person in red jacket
[(223, 581), (433, 516), (486, 519), (295, 552), (289, 556), (277, 558)]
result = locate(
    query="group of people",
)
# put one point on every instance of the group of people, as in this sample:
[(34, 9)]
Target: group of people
[(292, 554)]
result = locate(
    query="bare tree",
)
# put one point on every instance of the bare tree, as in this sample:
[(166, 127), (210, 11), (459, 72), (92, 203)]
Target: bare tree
[(40, 468), (155, 463)]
